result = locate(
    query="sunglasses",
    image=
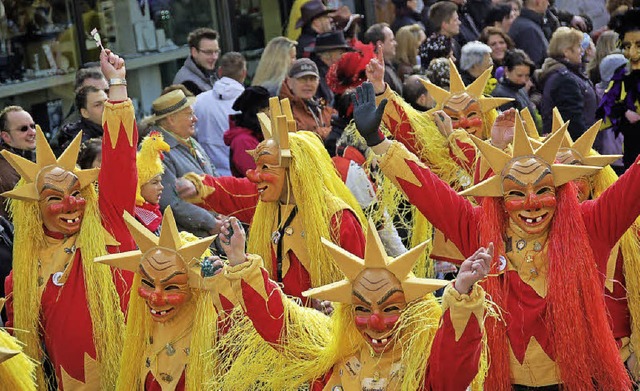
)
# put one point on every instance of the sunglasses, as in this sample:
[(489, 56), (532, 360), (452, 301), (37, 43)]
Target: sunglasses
[(27, 127)]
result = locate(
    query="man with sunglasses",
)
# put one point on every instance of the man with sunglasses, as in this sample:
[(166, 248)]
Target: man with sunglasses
[(18, 133), (197, 73)]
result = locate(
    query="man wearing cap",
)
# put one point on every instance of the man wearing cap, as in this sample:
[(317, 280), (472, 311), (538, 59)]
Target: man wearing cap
[(326, 52), (300, 87), (315, 20), (174, 117)]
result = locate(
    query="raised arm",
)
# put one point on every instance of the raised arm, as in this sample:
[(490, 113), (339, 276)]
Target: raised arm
[(441, 205), (118, 175)]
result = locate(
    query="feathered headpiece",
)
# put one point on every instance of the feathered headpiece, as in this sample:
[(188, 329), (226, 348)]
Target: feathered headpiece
[(375, 257), (522, 146), (349, 71), (149, 160), (45, 157)]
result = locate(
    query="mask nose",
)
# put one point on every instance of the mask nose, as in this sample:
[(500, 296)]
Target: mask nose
[(157, 298), (376, 322)]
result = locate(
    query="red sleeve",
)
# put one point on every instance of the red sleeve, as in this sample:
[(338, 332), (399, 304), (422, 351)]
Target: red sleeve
[(463, 153), (230, 196), (351, 236), (453, 364), (448, 211), (118, 177), (401, 129), (610, 215), (266, 314), (8, 305)]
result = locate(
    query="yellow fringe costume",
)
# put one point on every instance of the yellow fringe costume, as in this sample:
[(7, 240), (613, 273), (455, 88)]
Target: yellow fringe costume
[(138, 341), (312, 345), (102, 298)]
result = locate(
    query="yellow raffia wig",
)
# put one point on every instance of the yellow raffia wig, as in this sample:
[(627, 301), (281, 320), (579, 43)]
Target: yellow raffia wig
[(312, 343), (314, 183), (102, 297), (139, 328), (17, 370), (149, 160)]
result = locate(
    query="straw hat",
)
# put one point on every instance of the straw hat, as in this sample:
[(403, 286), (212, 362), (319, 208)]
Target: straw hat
[(168, 104)]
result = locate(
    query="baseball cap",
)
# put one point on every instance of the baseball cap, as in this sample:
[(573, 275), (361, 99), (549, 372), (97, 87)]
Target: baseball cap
[(303, 67)]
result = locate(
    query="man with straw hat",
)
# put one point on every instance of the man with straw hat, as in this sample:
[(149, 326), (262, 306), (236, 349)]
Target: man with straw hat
[(174, 118)]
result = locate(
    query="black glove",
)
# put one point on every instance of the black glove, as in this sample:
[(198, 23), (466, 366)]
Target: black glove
[(365, 114)]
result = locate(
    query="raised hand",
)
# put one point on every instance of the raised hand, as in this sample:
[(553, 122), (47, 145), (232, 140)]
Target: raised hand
[(365, 114), (112, 65), (443, 122), (474, 269), (375, 71), (233, 241), (503, 129)]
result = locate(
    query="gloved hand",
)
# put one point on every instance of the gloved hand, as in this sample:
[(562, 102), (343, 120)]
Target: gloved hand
[(365, 114)]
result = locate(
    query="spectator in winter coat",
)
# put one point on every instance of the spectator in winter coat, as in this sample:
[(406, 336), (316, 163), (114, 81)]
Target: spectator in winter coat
[(527, 32), (566, 86)]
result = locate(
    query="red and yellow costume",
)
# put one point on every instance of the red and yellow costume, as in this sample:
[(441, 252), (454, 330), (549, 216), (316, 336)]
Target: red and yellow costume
[(171, 323), (550, 291), (60, 296), (17, 371), (323, 206), (433, 348)]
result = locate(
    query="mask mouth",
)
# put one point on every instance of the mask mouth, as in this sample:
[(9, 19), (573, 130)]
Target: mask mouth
[(534, 221), (160, 314), (381, 343)]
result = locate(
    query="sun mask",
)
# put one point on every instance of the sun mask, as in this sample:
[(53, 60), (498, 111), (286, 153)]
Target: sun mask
[(378, 287), (466, 105), (581, 153), (378, 301), (527, 179), (164, 284), (61, 204), (168, 268), (54, 183), (268, 175), (529, 194)]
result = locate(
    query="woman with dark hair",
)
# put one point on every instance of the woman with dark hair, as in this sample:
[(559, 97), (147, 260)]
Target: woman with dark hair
[(90, 155), (518, 68), (244, 133)]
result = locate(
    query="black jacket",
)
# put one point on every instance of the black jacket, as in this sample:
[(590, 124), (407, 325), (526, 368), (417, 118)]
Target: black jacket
[(69, 131), (528, 34)]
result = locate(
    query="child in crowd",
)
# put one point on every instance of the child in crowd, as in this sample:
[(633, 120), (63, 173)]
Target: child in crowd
[(150, 170)]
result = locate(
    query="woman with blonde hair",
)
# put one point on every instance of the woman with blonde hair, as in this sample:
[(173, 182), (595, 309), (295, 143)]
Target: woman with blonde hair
[(607, 44), (565, 85), (278, 55), (409, 39)]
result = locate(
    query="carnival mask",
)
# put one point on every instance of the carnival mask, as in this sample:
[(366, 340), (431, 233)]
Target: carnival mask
[(529, 194), (583, 184), (465, 113), (269, 175), (164, 284), (61, 204), (378, 301)]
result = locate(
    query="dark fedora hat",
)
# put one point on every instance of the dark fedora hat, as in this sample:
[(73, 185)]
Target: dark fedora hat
[(311, 10), (332, 40)]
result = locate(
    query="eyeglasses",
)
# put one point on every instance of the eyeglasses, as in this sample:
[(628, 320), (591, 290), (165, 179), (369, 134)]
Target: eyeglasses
[(27, 127), (209, 52)]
